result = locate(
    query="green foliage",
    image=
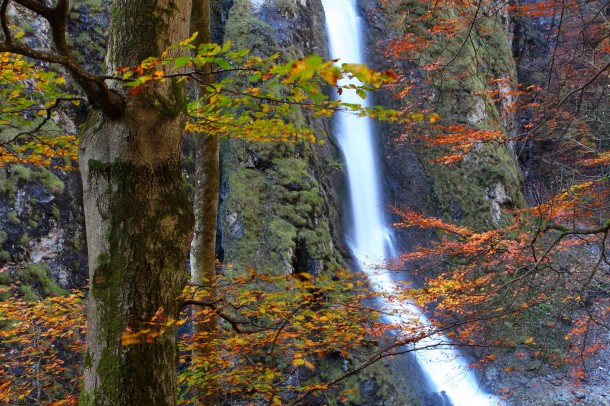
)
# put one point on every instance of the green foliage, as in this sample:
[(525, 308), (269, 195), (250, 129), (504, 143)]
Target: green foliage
[(22, 172), (51, 181), (273, 90)]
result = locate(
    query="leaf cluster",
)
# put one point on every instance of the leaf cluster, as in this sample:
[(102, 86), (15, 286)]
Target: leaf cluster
[(41, 345), (30, 103), (525, 288)]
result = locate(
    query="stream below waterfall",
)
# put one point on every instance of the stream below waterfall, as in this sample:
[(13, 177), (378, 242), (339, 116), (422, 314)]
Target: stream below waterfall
[(445, 371)]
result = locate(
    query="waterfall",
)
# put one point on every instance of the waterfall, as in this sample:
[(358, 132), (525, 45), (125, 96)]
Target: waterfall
[(446, 372)]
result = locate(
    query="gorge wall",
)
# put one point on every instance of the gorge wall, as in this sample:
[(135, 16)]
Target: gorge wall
[(279, 201)]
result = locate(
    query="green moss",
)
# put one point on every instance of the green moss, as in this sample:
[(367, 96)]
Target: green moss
[(282, 234), (7, 185), (5, 294), (93, 122), (50, 180), (87, 361), (109, 371), (388, 387), (463, 191), (24, 240), (85, 399), (286, 7), (38, 277), (333, 368), (28, 293), (279, 210), (6, 277), (77, 242), (22, 172), (387, 384), (12, 217), (247, 32), (55, 213)]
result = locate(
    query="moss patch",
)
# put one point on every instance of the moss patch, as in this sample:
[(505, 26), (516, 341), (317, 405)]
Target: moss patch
[(33, 282)]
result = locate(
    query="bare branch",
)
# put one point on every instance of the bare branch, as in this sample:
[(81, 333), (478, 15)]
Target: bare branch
[(235, 325), (4, 22), (567, 96), (46, 119), (93, 85), (36, 7)]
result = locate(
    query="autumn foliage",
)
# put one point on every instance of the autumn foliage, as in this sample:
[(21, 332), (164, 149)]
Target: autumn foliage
[(30, 98), (535, 287), (281, 339), (41, 350)]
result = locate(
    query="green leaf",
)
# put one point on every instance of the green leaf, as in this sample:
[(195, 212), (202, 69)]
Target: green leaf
[(256, 77), (223, 63), (181, 61)]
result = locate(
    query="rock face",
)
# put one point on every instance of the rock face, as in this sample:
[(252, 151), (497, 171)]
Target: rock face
[(42, 226), (471, 191), (42, 238), (279, 202)]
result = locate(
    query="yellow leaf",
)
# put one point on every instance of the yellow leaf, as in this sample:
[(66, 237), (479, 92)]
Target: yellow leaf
[(309, 365), (330, 76), (434, 118)]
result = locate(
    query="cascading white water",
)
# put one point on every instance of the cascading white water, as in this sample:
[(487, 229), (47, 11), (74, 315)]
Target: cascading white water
[(446, 371)]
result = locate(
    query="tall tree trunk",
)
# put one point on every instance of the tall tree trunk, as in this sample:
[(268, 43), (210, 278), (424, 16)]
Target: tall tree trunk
[(206, 195), (138, 218), (203, 248)]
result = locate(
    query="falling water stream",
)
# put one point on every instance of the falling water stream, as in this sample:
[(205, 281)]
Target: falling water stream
[(446, 372)]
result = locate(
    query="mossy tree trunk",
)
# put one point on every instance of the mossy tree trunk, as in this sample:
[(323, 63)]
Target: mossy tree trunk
[(205, 202), (138, 219)]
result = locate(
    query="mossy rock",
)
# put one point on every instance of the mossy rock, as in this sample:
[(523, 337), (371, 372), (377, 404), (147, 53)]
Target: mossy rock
[(473, 191), (274, 209), (33, 281)]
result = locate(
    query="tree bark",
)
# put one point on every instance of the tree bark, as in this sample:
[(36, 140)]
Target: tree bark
[(205, 202), (138, 218), (207, 163)]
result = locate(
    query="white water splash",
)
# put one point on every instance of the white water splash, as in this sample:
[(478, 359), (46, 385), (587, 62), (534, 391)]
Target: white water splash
[(446, 371)]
